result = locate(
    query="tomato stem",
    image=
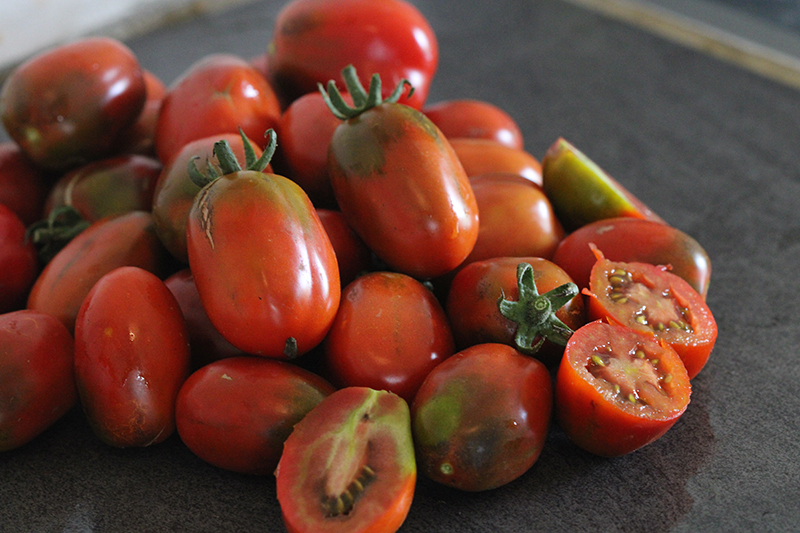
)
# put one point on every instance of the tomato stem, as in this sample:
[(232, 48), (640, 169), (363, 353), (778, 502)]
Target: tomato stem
[(50, 235), (362, 99), (228, 164)]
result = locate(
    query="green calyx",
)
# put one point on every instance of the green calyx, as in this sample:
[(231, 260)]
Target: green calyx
[(52, 234), (227, 162), (535, 314), (362, 99)]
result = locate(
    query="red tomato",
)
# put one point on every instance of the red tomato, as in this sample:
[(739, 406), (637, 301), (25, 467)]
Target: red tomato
[(313, 40), (484, 156), (236, 413), (352, 255), (140, 138), (218, 94), (480, 419), (18, 262), (637, 240), (348, 466), (389, 333), (23, 187), (131, 358), (37, 384), (475, 119), (618, 390), (70, 104), (652, 300)]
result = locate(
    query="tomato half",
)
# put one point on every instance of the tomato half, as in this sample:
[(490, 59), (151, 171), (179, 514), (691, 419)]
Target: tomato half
[(618, 390), (475, 119)]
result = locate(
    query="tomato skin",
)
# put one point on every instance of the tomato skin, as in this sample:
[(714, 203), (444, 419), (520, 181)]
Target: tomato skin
[(313, 40), (389, 333), (220, 93), (236, 413), (23, 187), (480, 419), (131, 358), (352, 255), (263, 264), (475, 119), (588, 409), (37, 384), (18, 262), (69, 105), (637, 240), (484, 156), (140, 137), (402, 189)]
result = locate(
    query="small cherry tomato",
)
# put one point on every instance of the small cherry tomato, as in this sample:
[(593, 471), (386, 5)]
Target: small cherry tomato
[(18, 262), (618, 390), (475, 119), (23, 186), (484, 156), (352, 255)]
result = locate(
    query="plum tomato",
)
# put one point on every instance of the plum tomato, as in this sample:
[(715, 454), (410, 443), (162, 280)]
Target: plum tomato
[(23, 186), (37, 384), (18, 262), (618, 390), (236, 413), (140, 137), (485, 156), (313, 40), (352, 255), (69, 105), (480, 419), (131, 357), (399, 183), (636, 240), (475, 119), (220, 93), (652, 300), (349, 466), (581, 192), (389, 333)]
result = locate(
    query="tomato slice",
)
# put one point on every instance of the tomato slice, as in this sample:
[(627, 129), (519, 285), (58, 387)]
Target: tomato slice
[(618, 390)]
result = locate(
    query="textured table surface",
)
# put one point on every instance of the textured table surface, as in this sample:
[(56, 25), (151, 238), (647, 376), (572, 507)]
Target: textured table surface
[(712, 148)]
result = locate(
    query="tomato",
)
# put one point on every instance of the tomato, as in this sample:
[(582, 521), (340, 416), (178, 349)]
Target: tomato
[(618, 390), (218, 94), (389, 333), (175, 190), (23, 187), (236, 413), (475, 119), (37, 384), (18, 262), (582, 192), (475, 317), (400, 185), (107, 187), (314, 39), (263, 264), (140, 137), (348, 466), (70, 104), (352, 255), (637, 240), (652, 300), (125, 240), (131, 357), (480, 419), (484, 156)]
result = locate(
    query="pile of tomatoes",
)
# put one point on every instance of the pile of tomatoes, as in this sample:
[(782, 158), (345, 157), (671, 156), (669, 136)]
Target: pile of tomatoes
[(304, 268)]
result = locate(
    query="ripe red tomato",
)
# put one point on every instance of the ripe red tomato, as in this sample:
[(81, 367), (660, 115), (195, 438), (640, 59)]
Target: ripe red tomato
[(480, 419), (484, 156), (140, 137), (23, 187), (348, 466), (131, 357), (618, 390), (37, 384), (236, 413), (313, 40), (475, 119), (218, 94), (352, 255), (70, 104), (18, 262), (389, 333)]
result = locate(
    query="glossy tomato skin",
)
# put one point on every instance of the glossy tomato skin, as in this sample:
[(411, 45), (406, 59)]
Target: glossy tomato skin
[(389, 333), (218, 94), (313, 40), (403, 190), (125, 240), (480, 419), (352, 255), (23, 186), (485, 156), (263, 264), (356, 442), (69, 105), (632, 239), (475, 119), (37, 383), (618, 390), (18, 262), (131, 358), (140, 137), (236, 413)]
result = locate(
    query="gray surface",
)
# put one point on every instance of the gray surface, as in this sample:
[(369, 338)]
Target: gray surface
[(711, 148)]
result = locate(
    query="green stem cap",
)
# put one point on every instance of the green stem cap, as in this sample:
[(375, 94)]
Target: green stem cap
[(228, 164), (52, 234), (362, 99)]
